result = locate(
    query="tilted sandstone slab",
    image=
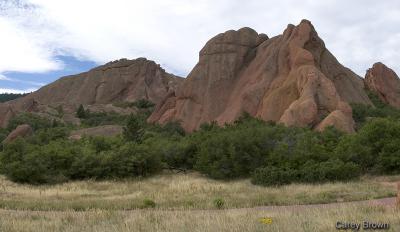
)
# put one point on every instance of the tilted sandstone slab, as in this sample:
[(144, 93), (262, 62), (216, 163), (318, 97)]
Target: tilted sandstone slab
[(291, 78), (384, 82), (12, 108), (121, 80), (106, 131), (21, 131), (118, 81)]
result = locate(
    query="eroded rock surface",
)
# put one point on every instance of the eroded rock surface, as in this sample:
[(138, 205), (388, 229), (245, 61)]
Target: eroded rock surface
[(119, 81), (384, 82), (291, 78)]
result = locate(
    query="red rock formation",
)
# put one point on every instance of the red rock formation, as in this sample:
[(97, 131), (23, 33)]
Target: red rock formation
[(122, 80), (12, 108), (291, 78), (384, 82), (118, 81), (106, 131), (21, 131), (6, 113)]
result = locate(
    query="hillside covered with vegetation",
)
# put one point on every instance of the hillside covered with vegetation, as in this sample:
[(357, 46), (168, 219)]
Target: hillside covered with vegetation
[(268, 153), (10, 96)]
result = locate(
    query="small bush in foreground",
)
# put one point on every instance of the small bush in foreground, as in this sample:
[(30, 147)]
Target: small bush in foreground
[(219, 203), (147, 203)]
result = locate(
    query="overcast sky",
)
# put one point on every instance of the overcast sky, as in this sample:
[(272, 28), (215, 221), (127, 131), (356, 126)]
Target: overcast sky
[(41, 40)]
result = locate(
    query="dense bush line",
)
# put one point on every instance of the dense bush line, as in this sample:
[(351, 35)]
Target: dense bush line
[(268, 153), (362, 113), (10, 96)]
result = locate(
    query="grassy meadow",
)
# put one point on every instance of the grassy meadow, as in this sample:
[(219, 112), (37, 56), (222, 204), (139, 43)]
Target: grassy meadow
[(240, 220), (186, 202), (183, 191)]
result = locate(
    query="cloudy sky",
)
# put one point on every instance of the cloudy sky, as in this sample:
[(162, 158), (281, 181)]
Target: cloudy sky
[(42, 40)]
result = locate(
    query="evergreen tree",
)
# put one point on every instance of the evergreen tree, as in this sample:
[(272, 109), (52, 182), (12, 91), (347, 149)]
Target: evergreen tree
[(81, 113), (133, 131)]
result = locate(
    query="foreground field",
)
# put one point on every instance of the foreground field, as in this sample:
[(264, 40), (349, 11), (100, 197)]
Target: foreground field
[(243, 220), (183, 191)]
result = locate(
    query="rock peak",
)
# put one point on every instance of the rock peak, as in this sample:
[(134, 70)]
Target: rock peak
[(385, 83), (118, 81), (291, 79), (306, 21), (379, 65)]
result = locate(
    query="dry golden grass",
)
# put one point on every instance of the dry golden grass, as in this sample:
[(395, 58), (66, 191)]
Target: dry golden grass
[(180, 191), (240, 220)]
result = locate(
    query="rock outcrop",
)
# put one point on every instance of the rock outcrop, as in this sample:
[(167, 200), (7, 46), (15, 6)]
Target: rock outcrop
[(106, 131), (119, 81), (291, 78), (21, 131), (384, 82), (12, 108)]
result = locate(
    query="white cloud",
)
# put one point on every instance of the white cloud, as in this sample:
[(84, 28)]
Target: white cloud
[(22, 50), (4, 90), (4, 78), (172, 32)]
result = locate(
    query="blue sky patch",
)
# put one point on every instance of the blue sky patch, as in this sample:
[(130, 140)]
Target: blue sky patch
[(29, 81)]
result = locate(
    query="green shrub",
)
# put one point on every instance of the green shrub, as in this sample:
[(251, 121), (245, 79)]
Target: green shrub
[(373, 147), (388, 161), (271, 154), (12, 155), (208, 126), (273, 176), (10, 96), (172, 129), (93, 119), (45, 136), (350, 149), (219, 203), (61, 160), (136, 160), (81, 112), (134, 129), (3, 134), (35, 121), (362, 112), (147, 203), (331, 170), (35, 164), (176, 154), (143, 104), (310, 172), (236, 150)]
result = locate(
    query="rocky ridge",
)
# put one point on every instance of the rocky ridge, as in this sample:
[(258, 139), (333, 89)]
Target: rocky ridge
[(385, 83), (118, 81), (291, 78)]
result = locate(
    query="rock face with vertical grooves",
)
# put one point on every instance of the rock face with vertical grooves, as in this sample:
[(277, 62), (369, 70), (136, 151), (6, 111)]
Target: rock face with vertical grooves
[(291, 78), (119, 81), (385, 83)]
